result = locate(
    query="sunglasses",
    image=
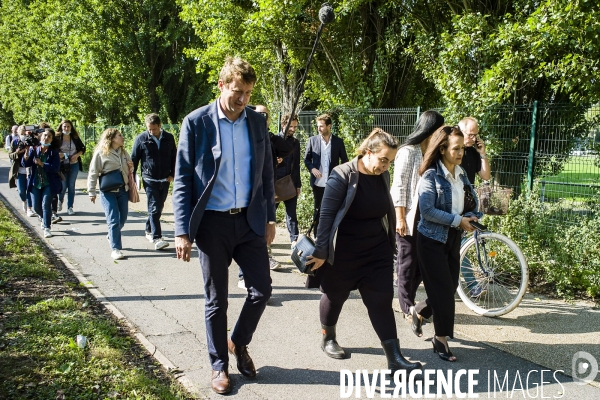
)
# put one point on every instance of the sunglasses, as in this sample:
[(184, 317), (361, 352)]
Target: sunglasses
[(450, 129), (264, 114)]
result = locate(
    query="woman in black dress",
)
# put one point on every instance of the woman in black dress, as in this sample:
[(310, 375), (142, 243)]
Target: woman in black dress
[(355, 246)]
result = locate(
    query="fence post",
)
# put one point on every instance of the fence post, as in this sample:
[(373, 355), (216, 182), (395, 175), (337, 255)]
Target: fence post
[(418, 112), (532, 139)]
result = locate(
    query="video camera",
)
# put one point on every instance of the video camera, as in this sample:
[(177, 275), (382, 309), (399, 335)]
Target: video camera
[(34, 129)]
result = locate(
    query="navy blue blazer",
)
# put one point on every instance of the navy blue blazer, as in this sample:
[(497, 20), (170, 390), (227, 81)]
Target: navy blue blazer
[(312, 156), (197, 165)]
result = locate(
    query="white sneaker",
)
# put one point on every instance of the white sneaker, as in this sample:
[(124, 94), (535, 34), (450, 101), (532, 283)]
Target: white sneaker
[(293, 245), (70, 211), (242, 284), (273, 263), (59, 207), (25, 207), (47, 233), (150, 237), (56, 219), (160, 244), (117, 254), (31, 213)]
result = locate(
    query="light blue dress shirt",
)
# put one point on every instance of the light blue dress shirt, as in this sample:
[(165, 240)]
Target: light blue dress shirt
[(233, 183)]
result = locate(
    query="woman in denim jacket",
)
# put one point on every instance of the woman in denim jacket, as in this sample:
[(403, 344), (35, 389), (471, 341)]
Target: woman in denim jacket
[(443, 218)]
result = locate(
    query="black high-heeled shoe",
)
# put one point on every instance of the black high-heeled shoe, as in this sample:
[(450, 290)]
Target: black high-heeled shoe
[(440, 349), (416, 323)]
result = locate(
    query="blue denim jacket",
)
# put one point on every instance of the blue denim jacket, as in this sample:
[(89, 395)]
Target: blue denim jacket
[(435, 204)]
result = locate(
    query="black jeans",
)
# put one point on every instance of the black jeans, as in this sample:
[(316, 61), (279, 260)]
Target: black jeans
[(440, 267), (291, 217), (318, 195), (409, 275), (156, 193)]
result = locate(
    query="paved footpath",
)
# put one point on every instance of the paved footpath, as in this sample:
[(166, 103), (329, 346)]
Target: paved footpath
[(162, 299)]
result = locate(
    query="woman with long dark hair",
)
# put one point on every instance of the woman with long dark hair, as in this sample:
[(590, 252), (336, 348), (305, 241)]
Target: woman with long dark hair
[(355, 246), (71, 150), (445, 214), (404, 193)]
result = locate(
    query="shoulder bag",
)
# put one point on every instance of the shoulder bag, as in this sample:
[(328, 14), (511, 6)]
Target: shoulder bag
[(284, 189), (111, 180)]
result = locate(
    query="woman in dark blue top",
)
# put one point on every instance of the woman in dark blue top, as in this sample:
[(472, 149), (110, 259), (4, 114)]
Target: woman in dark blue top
[(44, 181)]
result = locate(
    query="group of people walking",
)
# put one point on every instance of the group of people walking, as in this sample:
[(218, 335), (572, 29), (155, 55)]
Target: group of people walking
[(45, 168), (224, 201), (224, 171), (45, 164)]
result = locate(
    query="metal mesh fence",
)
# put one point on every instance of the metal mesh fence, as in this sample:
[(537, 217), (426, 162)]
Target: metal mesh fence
[(555, 145)]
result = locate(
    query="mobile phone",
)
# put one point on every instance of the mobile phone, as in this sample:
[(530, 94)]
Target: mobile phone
[(478, 226)]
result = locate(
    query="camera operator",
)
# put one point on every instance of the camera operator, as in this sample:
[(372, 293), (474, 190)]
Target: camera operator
[(44, 181), (18, 174)]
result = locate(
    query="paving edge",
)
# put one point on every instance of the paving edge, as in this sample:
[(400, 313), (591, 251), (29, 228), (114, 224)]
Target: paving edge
[(100, 297)]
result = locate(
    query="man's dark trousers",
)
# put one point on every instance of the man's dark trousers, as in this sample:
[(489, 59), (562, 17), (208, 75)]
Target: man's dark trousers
[(222, 237), (156, 193), (291, 217)]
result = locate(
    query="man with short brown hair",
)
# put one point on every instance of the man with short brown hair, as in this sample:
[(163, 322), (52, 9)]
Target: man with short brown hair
[(323, 153), (224, 200)]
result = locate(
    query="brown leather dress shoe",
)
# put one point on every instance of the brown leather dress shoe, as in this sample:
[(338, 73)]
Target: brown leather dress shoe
[(219, 382), (244, 362)]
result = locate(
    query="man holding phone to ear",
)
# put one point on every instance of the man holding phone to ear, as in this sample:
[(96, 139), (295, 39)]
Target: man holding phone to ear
[(474, 161)]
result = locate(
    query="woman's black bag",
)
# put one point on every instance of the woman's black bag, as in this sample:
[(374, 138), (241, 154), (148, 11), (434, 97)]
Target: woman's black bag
[(470, 203), (111, 180), (305, 247)]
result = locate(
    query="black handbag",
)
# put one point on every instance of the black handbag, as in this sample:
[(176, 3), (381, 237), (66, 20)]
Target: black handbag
[(305, 247), (111, 180), (470, 203)]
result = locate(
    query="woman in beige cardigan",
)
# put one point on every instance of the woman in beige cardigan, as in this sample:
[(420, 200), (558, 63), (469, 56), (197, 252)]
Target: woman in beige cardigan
[(110, 155)]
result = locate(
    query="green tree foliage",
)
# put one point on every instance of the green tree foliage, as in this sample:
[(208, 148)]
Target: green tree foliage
[(96, 61), (360, 61), (484, 53)]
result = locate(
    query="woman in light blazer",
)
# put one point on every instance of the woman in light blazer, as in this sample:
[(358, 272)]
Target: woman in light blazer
[(110, 155)]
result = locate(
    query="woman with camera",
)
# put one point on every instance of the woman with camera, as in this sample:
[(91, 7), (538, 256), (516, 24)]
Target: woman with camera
[(18, 173), (448, 203), (355, 246), (111, 165), (71, 150), (44, 181)]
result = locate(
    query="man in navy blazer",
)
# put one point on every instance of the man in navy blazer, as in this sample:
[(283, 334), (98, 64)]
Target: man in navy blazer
[(323, 153), (223, 198)]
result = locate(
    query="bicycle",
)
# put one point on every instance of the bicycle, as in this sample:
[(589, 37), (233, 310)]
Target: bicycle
[(494, 273)]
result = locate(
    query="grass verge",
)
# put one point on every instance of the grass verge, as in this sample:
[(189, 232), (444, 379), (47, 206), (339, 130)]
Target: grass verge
[(42, 310)]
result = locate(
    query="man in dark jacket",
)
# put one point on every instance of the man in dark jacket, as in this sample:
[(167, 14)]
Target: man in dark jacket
[(323, 153), (156, 150), (290, 165)]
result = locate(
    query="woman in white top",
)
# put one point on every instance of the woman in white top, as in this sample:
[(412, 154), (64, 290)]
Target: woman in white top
[(404, 194), (109, 156)]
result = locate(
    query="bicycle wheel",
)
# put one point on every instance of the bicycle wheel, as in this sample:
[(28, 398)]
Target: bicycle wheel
[(493, 282)]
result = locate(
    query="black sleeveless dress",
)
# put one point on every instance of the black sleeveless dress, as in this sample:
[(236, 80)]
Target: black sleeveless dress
[(363, 252)]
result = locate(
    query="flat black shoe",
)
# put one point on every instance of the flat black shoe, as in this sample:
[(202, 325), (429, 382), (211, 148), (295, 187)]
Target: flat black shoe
[(416, 324), (440, 349)]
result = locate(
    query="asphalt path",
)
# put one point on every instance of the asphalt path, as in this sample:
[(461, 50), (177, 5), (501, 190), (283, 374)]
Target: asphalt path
[(162, 299)]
